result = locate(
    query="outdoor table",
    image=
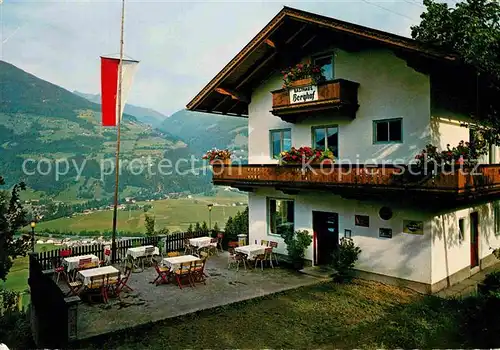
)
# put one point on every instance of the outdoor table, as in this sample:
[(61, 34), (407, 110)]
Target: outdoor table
[(201, 242), (85, 275), (175, 262), (251, 250), (71, 263), (139, 252)]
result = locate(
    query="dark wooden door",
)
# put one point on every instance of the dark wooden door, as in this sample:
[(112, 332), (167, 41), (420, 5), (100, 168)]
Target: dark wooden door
[(474, 239), (326, 236)]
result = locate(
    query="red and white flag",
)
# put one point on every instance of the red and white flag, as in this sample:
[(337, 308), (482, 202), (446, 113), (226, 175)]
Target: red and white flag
[(109, 87)]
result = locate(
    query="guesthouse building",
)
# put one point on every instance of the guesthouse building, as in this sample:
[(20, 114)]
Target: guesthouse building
[(379, 101)]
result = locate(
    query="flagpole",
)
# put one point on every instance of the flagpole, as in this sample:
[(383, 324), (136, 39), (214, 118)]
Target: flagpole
[(117, 161)]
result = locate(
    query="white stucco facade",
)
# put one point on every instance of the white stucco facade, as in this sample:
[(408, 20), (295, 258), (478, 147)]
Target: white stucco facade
[(403, 256), (451, 251), (388, 89)]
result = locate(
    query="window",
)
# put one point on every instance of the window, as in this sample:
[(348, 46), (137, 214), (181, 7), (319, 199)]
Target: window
[(326, 63), (281, 216), (281, 140), (390, 130), (496, 212), (326, 137), (461, 229)]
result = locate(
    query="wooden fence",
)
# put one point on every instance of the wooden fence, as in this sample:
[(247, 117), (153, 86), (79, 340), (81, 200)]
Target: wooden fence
[(169, 243)]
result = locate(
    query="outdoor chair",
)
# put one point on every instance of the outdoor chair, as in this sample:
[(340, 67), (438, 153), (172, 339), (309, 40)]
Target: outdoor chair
[(58, 267), (233, 244), (212, 248), (183, 273), (107, 257), (65, 253), (264, 257), (220, 237), (96, 288), (112, 282), (124, 279), (188, 248), (148, 255), (163, 273), (274, 245), (197, 273), (235, 259), (74, 286)]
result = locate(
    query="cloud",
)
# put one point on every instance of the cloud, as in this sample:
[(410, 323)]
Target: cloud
[(181, 45)]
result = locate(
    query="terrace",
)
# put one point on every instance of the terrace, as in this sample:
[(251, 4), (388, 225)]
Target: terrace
[(73, 319)]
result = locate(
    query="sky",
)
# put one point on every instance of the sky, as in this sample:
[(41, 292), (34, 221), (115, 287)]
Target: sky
[(180, 45)]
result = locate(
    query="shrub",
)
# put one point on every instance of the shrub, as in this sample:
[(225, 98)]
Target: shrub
[(345, 258), (296, 244), (491, 284)]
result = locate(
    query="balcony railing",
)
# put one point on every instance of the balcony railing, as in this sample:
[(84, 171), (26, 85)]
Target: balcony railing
[(484, 179), (339, 94)]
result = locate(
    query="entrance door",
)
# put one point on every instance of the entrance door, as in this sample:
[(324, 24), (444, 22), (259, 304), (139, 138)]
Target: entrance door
[(474, 239), (326, 236)]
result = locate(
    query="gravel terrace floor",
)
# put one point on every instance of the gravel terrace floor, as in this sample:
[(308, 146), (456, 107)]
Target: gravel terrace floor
[(150, 303)]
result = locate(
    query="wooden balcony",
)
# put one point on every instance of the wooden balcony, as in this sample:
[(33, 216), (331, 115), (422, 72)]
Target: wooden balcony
[(360, 180), (338, 95)]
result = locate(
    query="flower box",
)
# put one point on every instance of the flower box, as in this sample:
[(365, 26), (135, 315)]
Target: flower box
[(306, 155), (302, 74), (220, 161), (301, 82), (218, 156)]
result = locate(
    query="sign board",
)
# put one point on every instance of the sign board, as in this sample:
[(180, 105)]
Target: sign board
[(385, 232), (303, 94), (362, 220), (413, 227)]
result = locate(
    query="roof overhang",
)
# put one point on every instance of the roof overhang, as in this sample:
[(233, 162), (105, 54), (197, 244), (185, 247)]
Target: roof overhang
[(289, 36)]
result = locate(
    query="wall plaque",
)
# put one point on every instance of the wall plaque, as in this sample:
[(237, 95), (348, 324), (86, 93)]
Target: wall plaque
[(413, 227), (385, 232), (362, 220)]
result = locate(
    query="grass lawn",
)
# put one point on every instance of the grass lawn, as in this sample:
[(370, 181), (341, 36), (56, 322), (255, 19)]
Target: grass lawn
[(17, 279), (325, 316)]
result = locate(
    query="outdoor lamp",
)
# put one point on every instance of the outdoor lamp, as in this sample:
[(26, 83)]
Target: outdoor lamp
[(210, 215), (33, 224)]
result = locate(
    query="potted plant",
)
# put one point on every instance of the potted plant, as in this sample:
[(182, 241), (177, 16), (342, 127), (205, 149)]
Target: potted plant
[(302, 74), (327, 157), (296, 244), (344, 259), (306, 155), (218, 156)]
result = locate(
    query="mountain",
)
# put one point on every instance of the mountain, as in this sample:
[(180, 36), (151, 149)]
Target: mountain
[(144, 115), (203, 131), (53, 140)]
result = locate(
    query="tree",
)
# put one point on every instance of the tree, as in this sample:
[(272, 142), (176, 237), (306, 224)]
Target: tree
[(197, 228), (216, 227), (190, 229), (471, 30), (204, 228), (12, 218), (150, 225)]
